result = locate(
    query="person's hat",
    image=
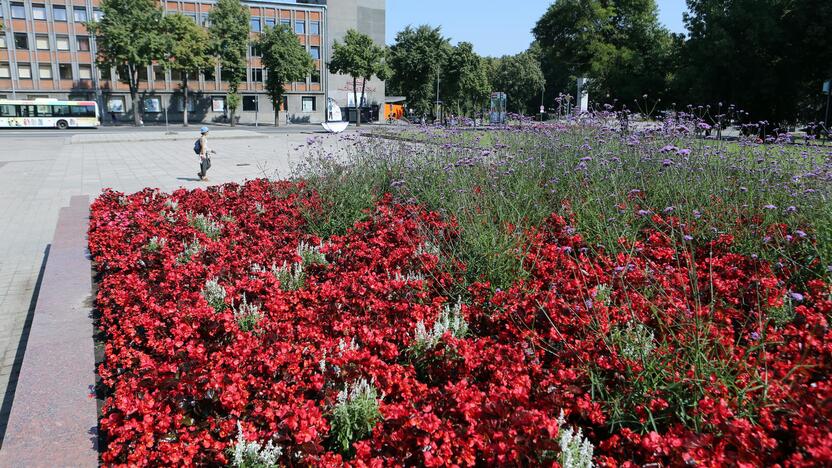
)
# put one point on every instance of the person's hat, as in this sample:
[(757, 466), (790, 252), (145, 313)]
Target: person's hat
[(203, 130)]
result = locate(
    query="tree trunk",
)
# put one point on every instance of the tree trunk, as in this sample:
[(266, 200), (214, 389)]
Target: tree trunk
[(185, 99), (355, 96), (276, 105), (134, 93)]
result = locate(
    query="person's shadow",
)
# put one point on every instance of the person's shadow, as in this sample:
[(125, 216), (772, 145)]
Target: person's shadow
[(188, 179)]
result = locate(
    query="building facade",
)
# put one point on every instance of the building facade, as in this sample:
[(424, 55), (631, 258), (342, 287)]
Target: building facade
[(47, 52)]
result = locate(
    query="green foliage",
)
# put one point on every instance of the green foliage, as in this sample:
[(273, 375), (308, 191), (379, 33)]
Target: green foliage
[(155, 244), (190, 250), (467, 82), (416, 59), (359, 57), (248, 316), (129, 36), (285, 60), (311, 255), (214, 295), (354, 416), (618, 44), (520, 77), (253, 454), (187, 50), (291, 277), (450, 320), (206, 225), (229, 34)]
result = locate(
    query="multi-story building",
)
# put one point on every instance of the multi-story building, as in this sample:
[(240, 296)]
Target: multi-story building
[(47, 52)]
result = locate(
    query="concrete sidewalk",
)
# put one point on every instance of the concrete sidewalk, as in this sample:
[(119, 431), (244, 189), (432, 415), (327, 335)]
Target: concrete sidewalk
[(191, 134)]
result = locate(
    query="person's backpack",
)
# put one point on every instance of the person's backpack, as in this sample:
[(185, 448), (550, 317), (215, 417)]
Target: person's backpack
[(198, 146)]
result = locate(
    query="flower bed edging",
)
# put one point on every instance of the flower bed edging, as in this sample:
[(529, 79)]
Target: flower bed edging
[(53, 421)]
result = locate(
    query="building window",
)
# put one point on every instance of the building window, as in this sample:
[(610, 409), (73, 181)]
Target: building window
[(315, 52), (316, 76), (97, 15), (42, 42), (84, 72), (39, 11), (45, 72), (83, 43), (159, 73), (255, 51), (5, 72), (3, 44), (286, 22), (269, 22), (300, 27), (18, 11), (308, 104), (315, 28), (65, 71), (24, 72), (180, 104), (218, 104), (255, 25), (209, 74), (153, 105), (257, 75), (203, 18), (59, 13), (284, 103), (79, 14), (21, 41), (142, 73), (62, 42), (249, 103), (176, 76)]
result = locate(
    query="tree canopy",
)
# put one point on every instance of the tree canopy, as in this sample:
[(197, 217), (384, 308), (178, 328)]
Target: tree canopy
[(520, 77), (186, 51), (285, 60), (466, 77), (229, 32), (129, 36), (417, 58), (359, 57)]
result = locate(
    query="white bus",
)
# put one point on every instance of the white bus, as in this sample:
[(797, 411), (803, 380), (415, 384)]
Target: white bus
[(49, 113)]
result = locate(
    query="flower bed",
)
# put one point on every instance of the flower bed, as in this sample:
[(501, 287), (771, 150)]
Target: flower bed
[(232, 335)]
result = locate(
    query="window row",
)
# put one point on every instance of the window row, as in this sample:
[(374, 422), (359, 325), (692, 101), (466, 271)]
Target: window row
[(46, 71), (59, 12), (314, 51), (258, 24), (42, 42), (116, 104)]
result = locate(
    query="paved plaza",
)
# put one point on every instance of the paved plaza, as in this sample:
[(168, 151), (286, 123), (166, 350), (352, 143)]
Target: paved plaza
[(41, 170)]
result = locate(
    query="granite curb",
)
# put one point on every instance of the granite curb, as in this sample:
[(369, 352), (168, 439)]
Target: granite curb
[(54, 416)]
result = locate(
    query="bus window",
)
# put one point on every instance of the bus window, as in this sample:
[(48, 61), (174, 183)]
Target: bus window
[(82, 111), (44, 111), (60, 111), (26, 111), (8, 110)]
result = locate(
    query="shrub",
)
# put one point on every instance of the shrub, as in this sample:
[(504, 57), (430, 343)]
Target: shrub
[(355, 414)]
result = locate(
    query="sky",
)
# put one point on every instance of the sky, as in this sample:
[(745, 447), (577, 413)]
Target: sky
[(495, 28)]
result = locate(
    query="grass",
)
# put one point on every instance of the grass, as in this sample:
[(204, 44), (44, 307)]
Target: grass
[(498, 183)]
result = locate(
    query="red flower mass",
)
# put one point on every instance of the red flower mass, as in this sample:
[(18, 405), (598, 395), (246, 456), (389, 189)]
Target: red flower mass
[(665, 354)]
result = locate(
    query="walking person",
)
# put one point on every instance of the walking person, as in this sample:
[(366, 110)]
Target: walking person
[(201, 148)]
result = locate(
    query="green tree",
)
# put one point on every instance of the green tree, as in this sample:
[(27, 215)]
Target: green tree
[(187, 51), (766, 57), (618, 44), (359, 57), (129, 37), (467, 84), (416, 59), (520, 77), (229, 32), (285, 60)]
